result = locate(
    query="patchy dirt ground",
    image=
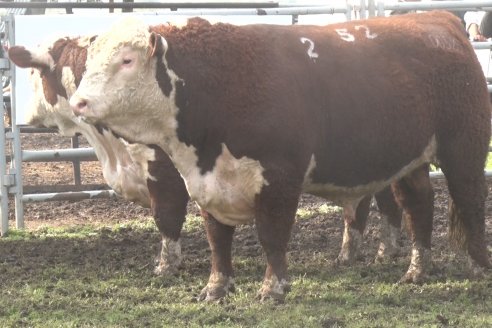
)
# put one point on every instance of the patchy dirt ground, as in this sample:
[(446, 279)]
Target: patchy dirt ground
[(322, 232)]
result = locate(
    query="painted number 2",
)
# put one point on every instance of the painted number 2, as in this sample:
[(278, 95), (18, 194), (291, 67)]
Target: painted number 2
[(311, 53)]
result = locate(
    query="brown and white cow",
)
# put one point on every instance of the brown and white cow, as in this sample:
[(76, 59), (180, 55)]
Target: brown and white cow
[(142, 174), (57, 69), (253, 115)]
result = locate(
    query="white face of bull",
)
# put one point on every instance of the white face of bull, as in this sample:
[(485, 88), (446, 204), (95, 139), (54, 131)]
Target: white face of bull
[(119, 88)]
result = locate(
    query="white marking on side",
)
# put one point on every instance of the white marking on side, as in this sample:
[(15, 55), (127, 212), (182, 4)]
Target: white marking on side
[(369, 35), (228, 191), (311, 53), (345, 35)]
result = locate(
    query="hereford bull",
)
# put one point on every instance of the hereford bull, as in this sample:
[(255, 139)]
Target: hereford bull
[(57, 68), (253, 115)]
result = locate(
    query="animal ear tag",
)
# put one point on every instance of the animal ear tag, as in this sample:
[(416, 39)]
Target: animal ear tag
[(158, 45)]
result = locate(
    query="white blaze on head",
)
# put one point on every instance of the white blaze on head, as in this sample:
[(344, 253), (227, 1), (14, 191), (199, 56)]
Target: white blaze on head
[(119, 88), (112, 61)]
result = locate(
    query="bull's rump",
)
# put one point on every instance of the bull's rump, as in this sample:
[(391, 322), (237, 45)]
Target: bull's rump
[(364, 97)]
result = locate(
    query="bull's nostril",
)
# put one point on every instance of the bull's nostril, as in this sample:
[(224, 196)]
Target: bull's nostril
[(79, 106), (82, 104)]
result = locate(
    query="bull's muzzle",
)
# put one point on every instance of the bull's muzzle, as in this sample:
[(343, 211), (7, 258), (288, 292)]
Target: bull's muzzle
[(79, 105)]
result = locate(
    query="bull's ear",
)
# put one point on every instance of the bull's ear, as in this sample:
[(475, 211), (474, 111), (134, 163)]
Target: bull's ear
[(24, 58), (158, 45)]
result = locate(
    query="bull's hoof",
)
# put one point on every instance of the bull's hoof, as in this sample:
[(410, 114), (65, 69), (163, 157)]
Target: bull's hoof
[(170, 259), (273, 289), (345, 259), (476, 271), (349, 253), (386, 253), (163, 269), (412, 277), (420, 264), (218, 287)]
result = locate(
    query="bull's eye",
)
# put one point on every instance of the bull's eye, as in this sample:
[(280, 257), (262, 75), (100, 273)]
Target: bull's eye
[(127, 62)]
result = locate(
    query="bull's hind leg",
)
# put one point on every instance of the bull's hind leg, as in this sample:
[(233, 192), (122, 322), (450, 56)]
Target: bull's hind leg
[(415, 195), (463, 166), (221, 280), (355, 224), (391, 215)]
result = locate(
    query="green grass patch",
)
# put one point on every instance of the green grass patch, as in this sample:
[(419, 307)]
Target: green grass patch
[(102, 277)]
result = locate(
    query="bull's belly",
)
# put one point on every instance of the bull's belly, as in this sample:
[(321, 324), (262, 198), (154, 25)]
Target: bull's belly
[(229, 190), (350, 195)]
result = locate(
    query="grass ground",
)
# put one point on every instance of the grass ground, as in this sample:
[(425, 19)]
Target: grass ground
[(101, 276)]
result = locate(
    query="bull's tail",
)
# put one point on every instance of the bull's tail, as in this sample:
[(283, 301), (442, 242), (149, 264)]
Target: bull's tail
[(462, 161), (467, 236)]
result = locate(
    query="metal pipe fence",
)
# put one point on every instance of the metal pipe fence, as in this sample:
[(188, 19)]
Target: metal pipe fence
[(11, 167)]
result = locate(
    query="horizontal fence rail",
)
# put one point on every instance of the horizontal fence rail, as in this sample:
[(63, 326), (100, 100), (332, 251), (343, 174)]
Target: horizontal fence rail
[(71, 154), (303, 10), (70, 196), (432, 5), (11, 182), (137, 5)]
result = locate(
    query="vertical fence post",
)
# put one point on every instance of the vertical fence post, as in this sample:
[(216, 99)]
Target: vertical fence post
[(380, 8), (371, 8), (4, 193), (76, 163), (348, 12), (362, 9), (16, 161)]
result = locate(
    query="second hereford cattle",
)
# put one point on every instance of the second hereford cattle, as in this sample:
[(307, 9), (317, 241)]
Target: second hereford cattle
[(139, 173)]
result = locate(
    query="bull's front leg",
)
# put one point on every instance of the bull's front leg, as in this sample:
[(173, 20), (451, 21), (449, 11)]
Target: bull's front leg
[(169, 259), (221, 280), (169, 219), (275, 214), (168, 201), (354, 225)]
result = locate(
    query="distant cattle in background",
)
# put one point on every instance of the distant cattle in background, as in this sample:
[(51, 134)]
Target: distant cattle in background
[(145, 174), (253, 115)]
